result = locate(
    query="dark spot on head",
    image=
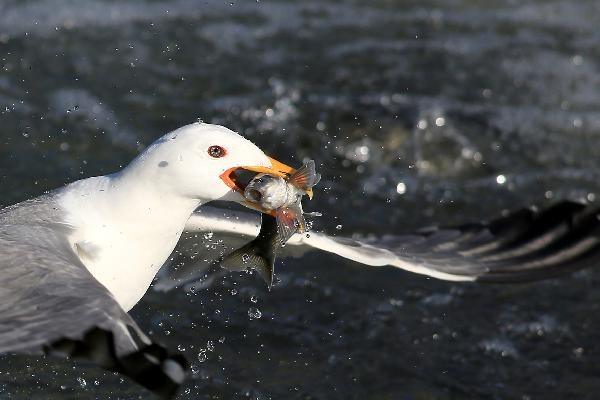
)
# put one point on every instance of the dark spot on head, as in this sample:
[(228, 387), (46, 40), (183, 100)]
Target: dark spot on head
[(163, 164)]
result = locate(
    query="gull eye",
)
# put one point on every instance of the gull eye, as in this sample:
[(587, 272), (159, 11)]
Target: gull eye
[(216, 151)]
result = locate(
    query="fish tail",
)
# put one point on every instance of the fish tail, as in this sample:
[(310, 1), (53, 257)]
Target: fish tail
[(306, 176), (252, 256)]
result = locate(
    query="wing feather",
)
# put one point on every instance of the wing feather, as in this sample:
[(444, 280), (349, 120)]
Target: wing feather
[(528, 244), (50, 303)]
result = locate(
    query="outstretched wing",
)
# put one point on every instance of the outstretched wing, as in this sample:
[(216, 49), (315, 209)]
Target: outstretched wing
[(50, 303), (529, 244), (526, 245)]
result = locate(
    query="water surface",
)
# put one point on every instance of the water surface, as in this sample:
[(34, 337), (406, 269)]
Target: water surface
[(417, 112)]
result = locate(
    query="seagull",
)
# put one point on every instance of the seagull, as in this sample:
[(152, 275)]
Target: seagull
[(74, 261)]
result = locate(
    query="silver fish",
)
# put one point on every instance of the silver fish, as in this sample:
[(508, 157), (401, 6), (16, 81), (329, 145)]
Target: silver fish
[(280, 201), (281, 197)]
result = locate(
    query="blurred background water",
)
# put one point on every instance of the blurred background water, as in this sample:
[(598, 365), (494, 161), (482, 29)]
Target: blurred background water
[(417, 112)]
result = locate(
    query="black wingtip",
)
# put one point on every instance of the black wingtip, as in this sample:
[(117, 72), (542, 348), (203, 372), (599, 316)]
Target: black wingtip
[(155, 369), (537, 243), (152, 366)]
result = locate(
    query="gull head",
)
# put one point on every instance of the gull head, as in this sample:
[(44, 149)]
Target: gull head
[(203, 162)]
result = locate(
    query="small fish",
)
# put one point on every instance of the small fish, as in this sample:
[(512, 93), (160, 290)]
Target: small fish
[(281, 197), (280, 201)]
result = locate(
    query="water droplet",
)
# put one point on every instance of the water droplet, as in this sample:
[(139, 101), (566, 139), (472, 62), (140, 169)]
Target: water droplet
[(362, 153), (245, 258), (81, 382), (401, 188), (338, 227), (222, 339), (501, 179), (202, 355), (180, 347), (254, 313), (253, 299), (210, 346), (233, 292), (591, 196), (396, 302)]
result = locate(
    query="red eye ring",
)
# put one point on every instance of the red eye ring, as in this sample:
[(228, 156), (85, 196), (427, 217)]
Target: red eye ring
[(216, 151)]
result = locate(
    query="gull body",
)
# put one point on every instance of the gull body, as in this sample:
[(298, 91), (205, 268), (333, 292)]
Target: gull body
[(122, 241), (125, 225), (75, 260)]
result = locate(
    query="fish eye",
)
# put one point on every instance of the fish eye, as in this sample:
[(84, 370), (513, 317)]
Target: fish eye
[(216, 151)]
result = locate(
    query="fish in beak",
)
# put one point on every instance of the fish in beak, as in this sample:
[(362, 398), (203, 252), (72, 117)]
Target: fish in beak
[(232, 178), (282, 197), (277, 193)]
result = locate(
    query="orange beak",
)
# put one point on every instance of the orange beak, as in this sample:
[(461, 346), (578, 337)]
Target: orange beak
[(277, 168)]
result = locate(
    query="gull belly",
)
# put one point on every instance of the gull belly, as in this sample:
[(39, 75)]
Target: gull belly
[(120, 252)]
